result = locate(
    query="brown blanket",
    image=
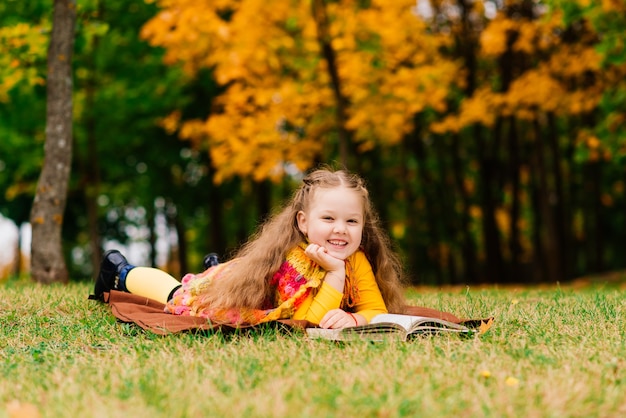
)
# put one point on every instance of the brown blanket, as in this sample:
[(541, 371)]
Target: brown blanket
[(149, 315)]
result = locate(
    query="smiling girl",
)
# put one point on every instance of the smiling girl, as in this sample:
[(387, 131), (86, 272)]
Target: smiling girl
[(323, 258)]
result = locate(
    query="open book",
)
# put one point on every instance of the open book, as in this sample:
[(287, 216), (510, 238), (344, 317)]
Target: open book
[(391, 327)]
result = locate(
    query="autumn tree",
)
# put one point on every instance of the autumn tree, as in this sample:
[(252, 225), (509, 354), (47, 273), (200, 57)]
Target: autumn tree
[(23, 46), (534, 88), (277, 64), (479, 106)]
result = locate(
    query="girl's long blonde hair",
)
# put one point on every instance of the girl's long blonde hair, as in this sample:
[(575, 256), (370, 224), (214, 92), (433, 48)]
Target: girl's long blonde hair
[(247, 282)]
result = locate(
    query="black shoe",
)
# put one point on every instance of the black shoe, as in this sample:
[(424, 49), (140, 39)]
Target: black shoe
[(210, 260), (108, 278)]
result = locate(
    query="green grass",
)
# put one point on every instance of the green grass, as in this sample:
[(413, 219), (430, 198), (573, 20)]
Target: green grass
[(551, 353)]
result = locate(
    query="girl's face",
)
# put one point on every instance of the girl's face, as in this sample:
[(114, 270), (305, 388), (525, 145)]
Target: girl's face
[(334, 221)]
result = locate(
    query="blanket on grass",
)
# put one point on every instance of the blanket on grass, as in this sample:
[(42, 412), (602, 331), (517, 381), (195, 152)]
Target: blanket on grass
[(150, 315)]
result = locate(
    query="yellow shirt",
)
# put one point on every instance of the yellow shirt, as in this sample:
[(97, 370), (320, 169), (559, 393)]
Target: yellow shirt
[(370, 302)]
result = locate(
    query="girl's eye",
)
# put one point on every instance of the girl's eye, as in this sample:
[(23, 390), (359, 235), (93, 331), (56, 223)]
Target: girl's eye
[(327, 218), (353, 221)]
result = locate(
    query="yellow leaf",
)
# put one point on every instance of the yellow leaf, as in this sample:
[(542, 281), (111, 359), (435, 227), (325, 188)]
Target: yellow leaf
[(485, 326)]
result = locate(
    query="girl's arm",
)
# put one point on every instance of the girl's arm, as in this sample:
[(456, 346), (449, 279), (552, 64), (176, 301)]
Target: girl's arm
[(323, 309), (315, 307), (329, 296), (371, 301)]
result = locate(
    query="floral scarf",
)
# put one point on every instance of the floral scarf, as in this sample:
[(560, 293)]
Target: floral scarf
[(296, 278)]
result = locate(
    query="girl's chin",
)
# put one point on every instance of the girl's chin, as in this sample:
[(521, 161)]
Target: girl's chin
[(341, 254)]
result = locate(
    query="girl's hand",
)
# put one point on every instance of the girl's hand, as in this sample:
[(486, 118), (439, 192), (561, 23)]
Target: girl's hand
[(337, 318), (329, 263)]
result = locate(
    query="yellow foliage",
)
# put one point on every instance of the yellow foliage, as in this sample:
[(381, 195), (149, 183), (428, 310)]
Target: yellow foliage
[(482, 108), (193, 131), (253, 137), (493, 38), (534, 90), (613, 6), (279, 106), (527, 32), (22, 46), (559, 85), (171, 122), (409, 78), (573, 61), (582, 101)]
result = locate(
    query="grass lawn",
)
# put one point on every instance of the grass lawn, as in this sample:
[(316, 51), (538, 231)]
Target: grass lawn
[(552, 352)]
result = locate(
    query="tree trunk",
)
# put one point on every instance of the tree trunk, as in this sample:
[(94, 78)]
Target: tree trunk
[(560, 214), (593, 218), (506, 64), (264, 199), (491, 234), (47, 262), (92, 168), (468, 246), (411, 235), (216, 241), (446, 209), (539, 255), (152, 237), (182, 245), (549, 236), (515, 247), (487, 155), (426, 180), (328, 53)]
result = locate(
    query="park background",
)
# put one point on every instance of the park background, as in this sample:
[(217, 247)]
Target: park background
[(491, 133)]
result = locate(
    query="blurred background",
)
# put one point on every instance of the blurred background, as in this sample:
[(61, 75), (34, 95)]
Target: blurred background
[(491, 133)]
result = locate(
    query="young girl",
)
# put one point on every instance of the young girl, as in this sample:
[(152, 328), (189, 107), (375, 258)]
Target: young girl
[(324, 258)]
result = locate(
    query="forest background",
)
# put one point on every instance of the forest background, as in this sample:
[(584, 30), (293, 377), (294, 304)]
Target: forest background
[(491, 133)]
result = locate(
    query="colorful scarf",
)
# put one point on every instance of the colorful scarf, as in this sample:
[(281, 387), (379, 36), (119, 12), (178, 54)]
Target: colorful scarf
[(296, 278)]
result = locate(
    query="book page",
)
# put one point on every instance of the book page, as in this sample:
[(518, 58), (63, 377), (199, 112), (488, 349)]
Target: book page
[(411, 323), (406, 321)]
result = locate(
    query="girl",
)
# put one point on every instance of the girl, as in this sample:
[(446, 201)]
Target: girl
[(324, 258)]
